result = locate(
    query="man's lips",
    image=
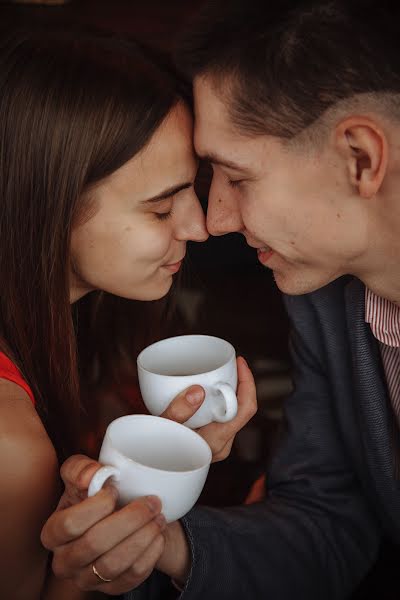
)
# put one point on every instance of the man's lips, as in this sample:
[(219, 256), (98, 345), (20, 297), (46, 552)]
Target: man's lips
[(264, 254)]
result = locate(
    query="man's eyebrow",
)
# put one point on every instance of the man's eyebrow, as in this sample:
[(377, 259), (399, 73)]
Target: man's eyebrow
[(218, 160), (168, 193)]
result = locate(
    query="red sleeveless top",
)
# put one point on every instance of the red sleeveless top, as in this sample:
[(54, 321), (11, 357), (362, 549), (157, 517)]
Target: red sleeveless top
[(10, 372)]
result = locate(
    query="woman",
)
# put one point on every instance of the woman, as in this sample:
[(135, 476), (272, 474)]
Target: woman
[(96, 189)]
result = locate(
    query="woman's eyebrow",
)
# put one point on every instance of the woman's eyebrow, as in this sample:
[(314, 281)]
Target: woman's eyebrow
[(168, 193)]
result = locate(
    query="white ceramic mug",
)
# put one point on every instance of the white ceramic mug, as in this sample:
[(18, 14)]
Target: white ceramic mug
[(147, 455), (168, 367)]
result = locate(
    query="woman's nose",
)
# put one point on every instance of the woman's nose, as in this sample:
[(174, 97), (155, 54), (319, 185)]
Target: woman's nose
[(199, 230), (193, 226)]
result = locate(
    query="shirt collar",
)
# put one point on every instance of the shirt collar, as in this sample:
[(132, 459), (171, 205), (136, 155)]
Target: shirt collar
[(383, 317)]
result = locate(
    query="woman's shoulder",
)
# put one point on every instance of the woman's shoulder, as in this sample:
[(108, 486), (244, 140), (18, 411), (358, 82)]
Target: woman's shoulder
[(23, 438), (22, 432), (10, 372), (24, 443), (30, 490), (26, 451)]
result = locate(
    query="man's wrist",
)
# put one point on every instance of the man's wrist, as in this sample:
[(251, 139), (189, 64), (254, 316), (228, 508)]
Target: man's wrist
[(175, 561)]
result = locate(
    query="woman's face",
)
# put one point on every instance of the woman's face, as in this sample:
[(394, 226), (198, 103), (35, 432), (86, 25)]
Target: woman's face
[(144, 214)]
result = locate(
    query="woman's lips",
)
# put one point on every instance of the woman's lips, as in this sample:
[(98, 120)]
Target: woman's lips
[(174, 267), (264, 254)]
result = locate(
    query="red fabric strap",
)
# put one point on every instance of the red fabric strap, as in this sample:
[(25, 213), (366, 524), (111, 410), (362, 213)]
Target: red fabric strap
[(10, 372)]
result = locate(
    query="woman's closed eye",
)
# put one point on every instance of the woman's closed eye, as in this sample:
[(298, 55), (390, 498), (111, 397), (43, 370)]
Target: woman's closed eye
[(163, 209), (163, 216)]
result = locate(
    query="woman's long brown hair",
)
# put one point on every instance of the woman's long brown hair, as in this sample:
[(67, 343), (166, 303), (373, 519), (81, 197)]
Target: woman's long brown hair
[(73, 109)]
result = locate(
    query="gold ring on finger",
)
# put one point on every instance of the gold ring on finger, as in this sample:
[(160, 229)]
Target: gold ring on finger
[(100, 577)]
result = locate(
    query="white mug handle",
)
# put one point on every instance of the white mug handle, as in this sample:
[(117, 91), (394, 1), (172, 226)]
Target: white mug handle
[(100, 477), (230, 403)]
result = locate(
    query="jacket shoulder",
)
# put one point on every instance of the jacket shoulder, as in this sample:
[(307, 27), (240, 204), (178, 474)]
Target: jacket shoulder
[(330, 298)]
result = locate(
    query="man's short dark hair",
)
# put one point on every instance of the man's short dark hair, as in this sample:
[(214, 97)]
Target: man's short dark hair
[(281, 65)]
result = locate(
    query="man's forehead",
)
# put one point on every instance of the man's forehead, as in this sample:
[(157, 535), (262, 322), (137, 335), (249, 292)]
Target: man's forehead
[(210, 106), (214, 132), (216, 138)]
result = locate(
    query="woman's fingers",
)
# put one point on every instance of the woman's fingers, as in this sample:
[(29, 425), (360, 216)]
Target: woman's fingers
[(127, 564), (70, 523), (128, 554), (131, 578), (76, 473), (146, 563), (107, 534)]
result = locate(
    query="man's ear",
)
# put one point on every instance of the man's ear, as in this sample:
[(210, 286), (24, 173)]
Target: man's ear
[(364, 147)]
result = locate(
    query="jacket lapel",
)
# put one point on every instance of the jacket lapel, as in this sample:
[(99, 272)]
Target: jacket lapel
[(371, 397)]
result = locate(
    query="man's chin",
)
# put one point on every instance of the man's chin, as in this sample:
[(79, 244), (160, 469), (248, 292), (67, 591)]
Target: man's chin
[(298, 284)]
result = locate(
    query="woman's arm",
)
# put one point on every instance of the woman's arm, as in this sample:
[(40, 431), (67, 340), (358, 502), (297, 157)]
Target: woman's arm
[(29, 493)]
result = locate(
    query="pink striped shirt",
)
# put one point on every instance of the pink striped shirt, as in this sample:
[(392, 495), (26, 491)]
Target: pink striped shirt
[(383, 317)]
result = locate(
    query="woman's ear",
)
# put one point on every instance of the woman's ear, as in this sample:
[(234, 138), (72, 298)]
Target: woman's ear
[(364, 147)]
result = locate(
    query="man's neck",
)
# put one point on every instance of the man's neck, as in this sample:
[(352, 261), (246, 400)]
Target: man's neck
[(386, 281)]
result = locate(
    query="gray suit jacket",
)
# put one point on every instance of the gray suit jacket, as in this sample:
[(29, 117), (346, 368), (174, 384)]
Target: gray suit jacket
[(331, 491)]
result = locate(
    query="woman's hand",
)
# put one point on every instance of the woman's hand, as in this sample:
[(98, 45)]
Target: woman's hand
[(219, 436), (124, 545)]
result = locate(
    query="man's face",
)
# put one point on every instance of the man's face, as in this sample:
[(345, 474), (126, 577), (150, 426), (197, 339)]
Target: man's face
[(296, 206)]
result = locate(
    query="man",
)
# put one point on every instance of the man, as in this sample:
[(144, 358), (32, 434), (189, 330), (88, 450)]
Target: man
[(298, 110)]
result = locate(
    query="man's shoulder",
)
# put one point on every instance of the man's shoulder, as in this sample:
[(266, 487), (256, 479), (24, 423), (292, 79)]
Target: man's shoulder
[(323, 309)]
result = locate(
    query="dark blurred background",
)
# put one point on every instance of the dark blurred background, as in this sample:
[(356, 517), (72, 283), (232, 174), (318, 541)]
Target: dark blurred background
[(225, 291)]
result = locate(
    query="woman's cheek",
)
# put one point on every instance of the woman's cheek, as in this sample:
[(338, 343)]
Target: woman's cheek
[(152, 244)]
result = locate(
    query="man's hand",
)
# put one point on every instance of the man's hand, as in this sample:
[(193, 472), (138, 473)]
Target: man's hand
[(175, 560), (219, 436)]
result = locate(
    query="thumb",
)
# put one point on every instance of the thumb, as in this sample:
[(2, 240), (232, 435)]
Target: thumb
[(185, 404), (77, 472)]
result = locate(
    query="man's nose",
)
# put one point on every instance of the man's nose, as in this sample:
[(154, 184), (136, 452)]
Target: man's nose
[(223, 212)]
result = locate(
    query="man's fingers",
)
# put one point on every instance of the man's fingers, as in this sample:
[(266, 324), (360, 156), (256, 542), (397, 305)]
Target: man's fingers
[(246, 393), (185, 404), (247, 405), (222, 452), (190, 400), (220, 436), (245, 377)]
